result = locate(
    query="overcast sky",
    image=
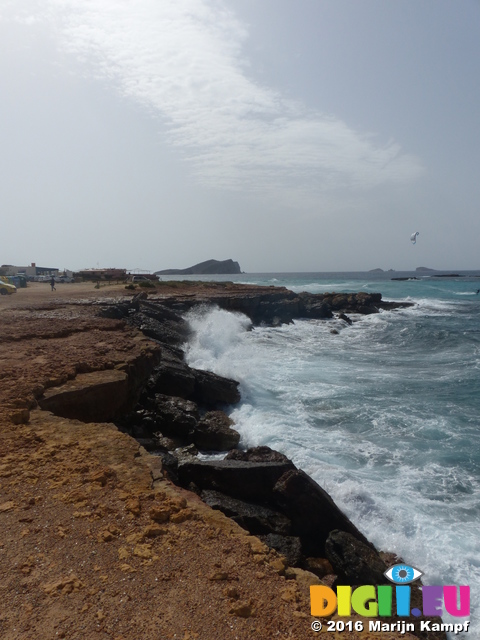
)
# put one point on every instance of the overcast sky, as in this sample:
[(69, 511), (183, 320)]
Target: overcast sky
[(306, 135)]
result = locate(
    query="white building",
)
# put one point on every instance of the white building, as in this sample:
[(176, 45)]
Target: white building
[(32, 270)]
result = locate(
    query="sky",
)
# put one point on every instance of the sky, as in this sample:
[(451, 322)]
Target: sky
[(314, 135)]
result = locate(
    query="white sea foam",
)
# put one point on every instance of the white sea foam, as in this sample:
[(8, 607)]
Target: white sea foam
[(218, 334), (380, 415)]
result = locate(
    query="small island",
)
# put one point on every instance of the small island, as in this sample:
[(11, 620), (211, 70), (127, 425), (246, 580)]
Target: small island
[(209, 267)]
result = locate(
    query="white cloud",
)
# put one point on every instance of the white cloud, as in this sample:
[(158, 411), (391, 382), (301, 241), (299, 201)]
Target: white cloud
[(185, 61)]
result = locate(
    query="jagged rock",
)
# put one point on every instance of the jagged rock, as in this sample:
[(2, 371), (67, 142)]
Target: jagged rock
[(368, 298), (175, 416), (289, 546), (119, 310), (339, 302), (245, 480), (253, 517), (312, 511), (214, 433), (319, 566), (273, 305), (160, 312), (168, 443), (175, 330), (164, 331), (279, 306), (395, 305), (212, 390), (142, 295), (270, 304), (345, 318), (353, 561), (364, 310), (278, 312), (116, 311), (169, 465), (320, 305), (154, 320), (366, 303), (141, 423), (149, 444), (186, 453), (257, 454), (172, 377), (317, 310)]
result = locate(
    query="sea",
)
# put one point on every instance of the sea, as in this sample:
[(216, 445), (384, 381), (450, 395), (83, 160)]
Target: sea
[(384, 414)]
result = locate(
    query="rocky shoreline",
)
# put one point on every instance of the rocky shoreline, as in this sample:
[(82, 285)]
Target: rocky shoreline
[(94, 372), (181, 411)]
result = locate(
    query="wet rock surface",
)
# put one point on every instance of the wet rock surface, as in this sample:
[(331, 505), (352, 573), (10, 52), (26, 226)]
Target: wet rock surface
[(255, 518), (312, 511), (257, 454), (276, 305), (354, 561), (240, 479), (265, 493), (290, 547), (214, 432)]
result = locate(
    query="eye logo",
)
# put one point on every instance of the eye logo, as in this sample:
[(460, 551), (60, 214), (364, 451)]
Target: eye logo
[(402, 574)]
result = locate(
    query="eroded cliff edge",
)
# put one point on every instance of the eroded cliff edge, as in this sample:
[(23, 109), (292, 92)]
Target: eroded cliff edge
[(98, 541)]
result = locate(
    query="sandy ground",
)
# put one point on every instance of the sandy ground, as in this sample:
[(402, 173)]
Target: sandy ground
[(38, 293), (95, 543)]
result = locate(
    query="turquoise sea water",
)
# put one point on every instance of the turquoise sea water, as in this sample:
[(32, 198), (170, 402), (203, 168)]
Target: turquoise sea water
[(385, 415)]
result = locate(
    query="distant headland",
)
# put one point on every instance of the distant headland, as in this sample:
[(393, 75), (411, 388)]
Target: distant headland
[(222, 267)]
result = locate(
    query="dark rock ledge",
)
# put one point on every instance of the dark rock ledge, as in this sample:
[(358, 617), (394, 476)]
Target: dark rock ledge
[(180, 410), (275, 305)]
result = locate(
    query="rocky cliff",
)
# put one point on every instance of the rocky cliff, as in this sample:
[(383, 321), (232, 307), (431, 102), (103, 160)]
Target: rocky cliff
[(99, 542)]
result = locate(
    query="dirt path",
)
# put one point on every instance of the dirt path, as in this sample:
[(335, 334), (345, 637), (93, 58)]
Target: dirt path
[(40, 293)]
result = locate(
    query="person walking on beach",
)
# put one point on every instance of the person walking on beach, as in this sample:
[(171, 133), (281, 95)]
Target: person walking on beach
[(52, 284)]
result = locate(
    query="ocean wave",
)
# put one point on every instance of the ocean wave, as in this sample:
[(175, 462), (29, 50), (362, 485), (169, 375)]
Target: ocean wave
[(383, 415)]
